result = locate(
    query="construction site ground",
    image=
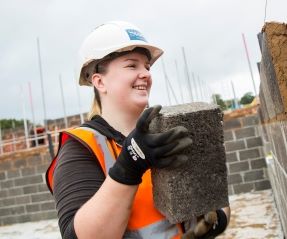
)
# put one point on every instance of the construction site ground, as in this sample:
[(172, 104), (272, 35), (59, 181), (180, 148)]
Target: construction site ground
[(254, 216)]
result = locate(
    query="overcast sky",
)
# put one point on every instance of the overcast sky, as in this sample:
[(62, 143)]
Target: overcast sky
[(210, 31)]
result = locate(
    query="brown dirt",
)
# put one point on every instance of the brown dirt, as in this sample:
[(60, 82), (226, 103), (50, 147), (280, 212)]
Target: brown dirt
[(276, 35)]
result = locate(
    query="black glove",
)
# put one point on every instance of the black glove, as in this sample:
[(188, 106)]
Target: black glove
[(210, 225), (142, 150), (219, 227)]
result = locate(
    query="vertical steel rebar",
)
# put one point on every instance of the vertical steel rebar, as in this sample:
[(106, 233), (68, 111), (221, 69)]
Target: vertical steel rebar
[(42, 83), (187, 75)]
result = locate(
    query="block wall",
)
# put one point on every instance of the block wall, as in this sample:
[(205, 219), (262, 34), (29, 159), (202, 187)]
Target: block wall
[(24, 195), (246, 165), (273, 110)]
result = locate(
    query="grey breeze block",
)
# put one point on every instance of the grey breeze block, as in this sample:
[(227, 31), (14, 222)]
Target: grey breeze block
[(200, 185)]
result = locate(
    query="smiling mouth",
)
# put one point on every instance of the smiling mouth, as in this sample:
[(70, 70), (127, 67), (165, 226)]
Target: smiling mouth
[(140, 87)]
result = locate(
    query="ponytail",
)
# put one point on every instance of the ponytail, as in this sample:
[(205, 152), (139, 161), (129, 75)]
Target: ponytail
[(96, 108)]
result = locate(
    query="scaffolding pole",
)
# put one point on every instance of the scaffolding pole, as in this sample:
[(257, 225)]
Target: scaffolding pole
[(24, 117), (234, 96), (79, 104), (178, 79), (168, 85), (42, 83), (249, 64), (187, 75), (33, 115), (63, 102)]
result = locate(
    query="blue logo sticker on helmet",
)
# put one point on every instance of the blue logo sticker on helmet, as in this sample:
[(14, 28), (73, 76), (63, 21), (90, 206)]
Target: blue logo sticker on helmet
[(135, 35)]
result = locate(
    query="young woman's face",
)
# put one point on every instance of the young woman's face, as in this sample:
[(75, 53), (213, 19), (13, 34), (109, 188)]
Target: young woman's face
[(128, 81)]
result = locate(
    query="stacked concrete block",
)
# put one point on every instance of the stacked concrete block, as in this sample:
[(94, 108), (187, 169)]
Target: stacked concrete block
[(24, 195), (273, 76), (201, 184), (244, 155)]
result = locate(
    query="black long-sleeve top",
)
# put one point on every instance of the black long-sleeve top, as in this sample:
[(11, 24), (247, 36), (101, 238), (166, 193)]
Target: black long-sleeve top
[(78, 176)]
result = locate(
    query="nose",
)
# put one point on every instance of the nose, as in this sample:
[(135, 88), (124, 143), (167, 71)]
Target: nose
[(145, 74)]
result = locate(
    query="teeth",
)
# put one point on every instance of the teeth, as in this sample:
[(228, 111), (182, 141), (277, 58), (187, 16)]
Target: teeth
[(140, 87)]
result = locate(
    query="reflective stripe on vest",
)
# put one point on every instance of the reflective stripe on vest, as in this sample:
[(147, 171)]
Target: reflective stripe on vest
[(145, 221), (102, 141), (158, 230)]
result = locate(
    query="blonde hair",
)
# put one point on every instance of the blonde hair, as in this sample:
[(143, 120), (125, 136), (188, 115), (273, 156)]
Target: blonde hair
[(96, 108), (101, 68)]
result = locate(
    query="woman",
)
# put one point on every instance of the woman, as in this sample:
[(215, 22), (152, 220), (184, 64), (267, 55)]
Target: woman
[(100, 177)]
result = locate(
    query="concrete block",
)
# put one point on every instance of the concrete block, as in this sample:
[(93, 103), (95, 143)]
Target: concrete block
[(43, 215), (48, 215), (243, 188), (231, 157), (238, 167), (34, 160), (263, 107), (23, 218), (279, 144), (8, 202), (42, 168), (262, 185), (43, 188), (7, 184), (5, 165), (23, 199), (29, 180), (228, 135), (20, 163), (234, 145), (258, 163), (232, 124), (201, 184), (39, 197), (9, 220), (15, 173), (32, 207), (253, 175), (15, 191), (16, 210), (30, 189), (28, 171), (3, 193), (48, 206), (244, 132), (2, 176), (265, 93), (234, 178), (254, 142), (249, 154), (4, 212), (250, 120)]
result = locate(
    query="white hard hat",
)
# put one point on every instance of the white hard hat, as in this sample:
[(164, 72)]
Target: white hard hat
[(116, 36)]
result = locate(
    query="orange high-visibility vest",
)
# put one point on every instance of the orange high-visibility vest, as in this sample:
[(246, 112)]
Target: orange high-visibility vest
[(145, 220)]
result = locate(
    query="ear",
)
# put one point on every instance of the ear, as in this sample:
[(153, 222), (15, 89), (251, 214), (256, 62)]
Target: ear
[(98, 82)]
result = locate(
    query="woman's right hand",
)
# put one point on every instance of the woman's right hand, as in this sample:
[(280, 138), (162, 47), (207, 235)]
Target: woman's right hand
[(143, 150)]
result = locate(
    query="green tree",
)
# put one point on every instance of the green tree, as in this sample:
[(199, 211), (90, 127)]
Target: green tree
[(11, 123), (219, 101), (247, 98)]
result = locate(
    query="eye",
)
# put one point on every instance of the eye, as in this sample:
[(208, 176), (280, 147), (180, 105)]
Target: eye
[(148, 67), (131, 65)]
